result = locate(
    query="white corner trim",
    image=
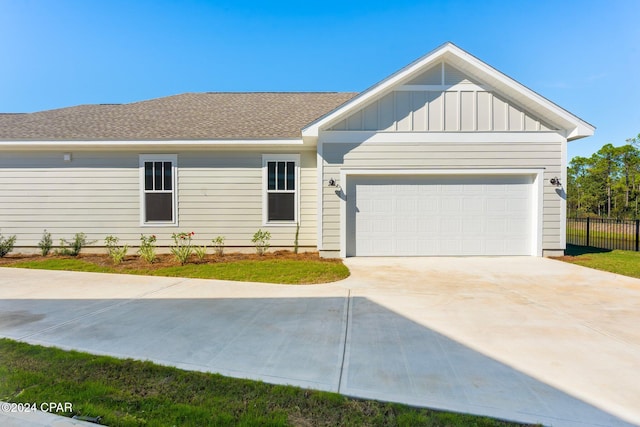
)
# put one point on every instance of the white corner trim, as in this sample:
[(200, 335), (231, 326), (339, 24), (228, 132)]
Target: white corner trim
[(537, 189), (173, 158), (286, 158), (563, 200), (320, 196), (538, 213)]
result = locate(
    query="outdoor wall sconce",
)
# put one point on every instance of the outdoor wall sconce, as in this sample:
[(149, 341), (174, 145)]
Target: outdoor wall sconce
[(555, 181), (332, 183), (66, 157)]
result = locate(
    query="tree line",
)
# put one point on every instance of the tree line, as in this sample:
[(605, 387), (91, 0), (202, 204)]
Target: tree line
[(607, 184)]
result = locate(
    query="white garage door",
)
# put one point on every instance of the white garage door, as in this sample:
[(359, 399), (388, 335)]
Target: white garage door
[(440, 215)]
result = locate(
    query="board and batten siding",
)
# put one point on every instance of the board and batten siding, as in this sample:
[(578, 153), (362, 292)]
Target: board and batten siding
[(98, 193), (442, 99), (460, 110), (441, 155)]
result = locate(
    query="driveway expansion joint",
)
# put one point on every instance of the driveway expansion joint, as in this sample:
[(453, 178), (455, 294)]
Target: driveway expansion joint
[(347, 327)]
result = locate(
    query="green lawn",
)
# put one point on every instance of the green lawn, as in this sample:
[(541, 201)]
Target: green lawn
[(616, 261), (133, 393), (286, 271)]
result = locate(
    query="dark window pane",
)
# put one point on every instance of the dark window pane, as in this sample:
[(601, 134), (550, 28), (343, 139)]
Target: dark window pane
[(167, 175), (281, 175), (291, 169), (281, 207), (148, 176), (271, 175), (157, 166), (159, 207)]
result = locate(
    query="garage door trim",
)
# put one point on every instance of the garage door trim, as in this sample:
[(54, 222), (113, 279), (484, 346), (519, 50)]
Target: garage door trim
[(536, 202)]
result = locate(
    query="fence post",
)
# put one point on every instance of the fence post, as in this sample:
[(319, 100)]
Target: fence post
[(637, 234), (587, 231)]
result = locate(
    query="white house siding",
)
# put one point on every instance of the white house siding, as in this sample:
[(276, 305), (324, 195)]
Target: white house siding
[(98, 193), (464, 109), (441, 155)]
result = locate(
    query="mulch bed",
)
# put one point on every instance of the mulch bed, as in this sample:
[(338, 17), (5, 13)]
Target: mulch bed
[(133, 262)]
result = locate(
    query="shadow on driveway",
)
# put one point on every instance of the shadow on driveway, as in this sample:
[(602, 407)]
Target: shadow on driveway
[(350, 345)]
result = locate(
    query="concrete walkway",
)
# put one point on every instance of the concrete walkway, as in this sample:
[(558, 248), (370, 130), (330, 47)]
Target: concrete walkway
[(525, 339)]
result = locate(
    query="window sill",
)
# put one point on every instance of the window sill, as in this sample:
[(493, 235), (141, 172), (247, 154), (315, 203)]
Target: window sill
[(280, 224), (158, 224)]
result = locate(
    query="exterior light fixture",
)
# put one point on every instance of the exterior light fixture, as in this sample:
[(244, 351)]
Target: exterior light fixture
[(332, 183), (66, 157), (555, 181)]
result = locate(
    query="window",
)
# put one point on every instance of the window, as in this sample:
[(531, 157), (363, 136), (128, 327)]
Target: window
[(158, 182), (281, 188)]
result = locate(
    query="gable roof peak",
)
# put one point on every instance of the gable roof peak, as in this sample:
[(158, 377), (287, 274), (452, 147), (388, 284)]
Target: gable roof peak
[(572, 126)]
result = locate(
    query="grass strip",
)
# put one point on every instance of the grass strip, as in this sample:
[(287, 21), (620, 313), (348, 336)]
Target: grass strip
[(135, 393), (285, 271), (626, 263)]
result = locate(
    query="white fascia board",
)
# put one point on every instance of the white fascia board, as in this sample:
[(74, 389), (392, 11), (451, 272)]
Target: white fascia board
[(169, 144), (412, 138)]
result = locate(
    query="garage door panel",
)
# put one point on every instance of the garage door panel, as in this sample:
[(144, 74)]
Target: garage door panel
[(427, 228), (473, 225), (441, 215), (408, 225), (451, 246), (472, 247), (495, 247), (496, 205), (474, 205)]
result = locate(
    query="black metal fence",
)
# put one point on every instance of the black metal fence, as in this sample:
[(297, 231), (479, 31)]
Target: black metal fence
[(604, 233)]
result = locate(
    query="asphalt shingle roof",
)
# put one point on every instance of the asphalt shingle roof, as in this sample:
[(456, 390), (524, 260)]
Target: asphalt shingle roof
[(190, 116)]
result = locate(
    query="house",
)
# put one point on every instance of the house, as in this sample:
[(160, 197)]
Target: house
[(447, 156)]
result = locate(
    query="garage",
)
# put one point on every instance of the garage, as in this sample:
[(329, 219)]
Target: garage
[(441, 215)]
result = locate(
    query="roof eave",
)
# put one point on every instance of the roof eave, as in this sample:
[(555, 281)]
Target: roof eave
[(146, 144)]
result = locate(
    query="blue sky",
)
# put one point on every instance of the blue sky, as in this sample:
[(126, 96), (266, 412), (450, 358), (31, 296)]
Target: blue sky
[(582, 55)]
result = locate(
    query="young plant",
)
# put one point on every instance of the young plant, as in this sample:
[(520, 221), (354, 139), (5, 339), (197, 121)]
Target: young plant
[(295, 241), (200, 251), (182, 248), (218, 245), (147, 250), (6, 244), (261, 241), (74, 247), (116, 252), (45, 243)]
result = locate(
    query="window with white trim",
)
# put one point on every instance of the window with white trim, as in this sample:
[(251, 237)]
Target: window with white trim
[(158, 189), (281, 188)]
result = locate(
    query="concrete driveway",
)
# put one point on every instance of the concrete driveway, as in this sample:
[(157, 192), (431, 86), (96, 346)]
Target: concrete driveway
[(525, 339)]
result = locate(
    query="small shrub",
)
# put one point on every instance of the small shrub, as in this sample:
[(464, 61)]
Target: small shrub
[(45, 243), (218, 245), (74, 247), (261, 241), (182, 248), (295, 241), (147, 250), (6, 244), (116, 252), (200, 251)]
